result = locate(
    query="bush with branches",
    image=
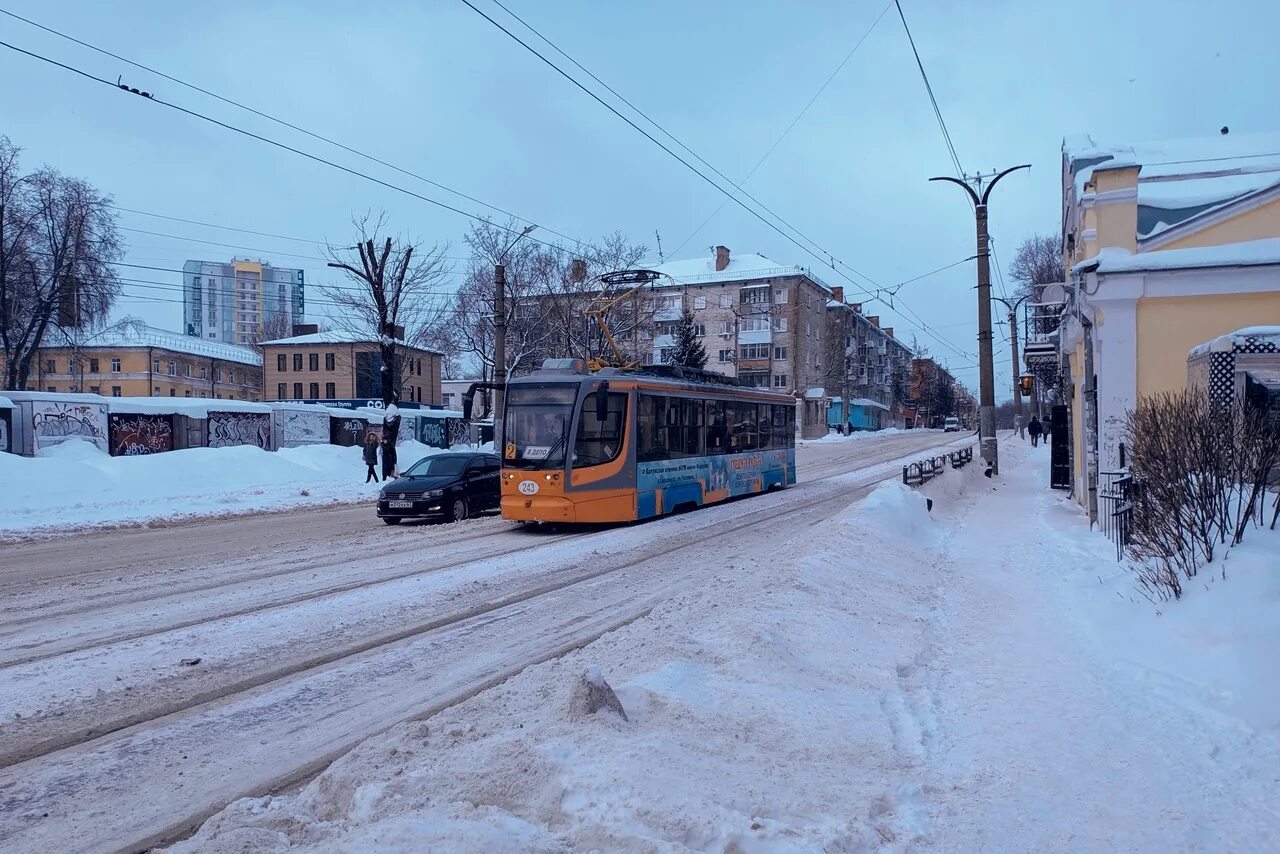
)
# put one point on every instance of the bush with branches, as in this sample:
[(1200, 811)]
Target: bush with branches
[(1201, 472)]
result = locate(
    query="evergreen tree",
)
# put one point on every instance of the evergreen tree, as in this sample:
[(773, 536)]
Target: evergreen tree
[(688, 351)]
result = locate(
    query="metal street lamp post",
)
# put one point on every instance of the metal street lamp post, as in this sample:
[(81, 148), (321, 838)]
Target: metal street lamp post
[(986, 366)]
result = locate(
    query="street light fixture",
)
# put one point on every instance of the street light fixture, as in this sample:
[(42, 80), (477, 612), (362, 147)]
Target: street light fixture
[(986, 367)]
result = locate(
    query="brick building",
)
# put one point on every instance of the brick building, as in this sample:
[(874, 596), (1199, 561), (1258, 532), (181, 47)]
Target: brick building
[(133, 359), (340, 365)]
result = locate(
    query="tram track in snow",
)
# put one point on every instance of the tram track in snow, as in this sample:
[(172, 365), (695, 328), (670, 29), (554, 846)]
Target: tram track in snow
[(696, 536)]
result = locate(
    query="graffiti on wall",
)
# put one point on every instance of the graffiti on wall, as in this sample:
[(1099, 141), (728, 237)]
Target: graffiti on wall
[(347, 431), (4, 431), (135, 435), (458, 432), (432, 432), (227, 429), (57, 421), (304, 428)]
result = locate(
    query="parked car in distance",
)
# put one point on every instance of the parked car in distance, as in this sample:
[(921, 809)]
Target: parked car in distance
[(951, 425), (449, 486)]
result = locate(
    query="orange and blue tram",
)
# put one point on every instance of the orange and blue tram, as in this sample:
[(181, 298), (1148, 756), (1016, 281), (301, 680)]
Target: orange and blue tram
[(619, 445)]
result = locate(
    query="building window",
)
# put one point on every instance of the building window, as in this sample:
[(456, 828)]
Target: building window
[(115, 366), (282, 391), (726, 301), (187, 393), (315, 392), (156, 391), (447, 398), (726, 327), (50, 366), (753, 296), (699, 303), (328, 362), (780, 295), (93, 366), (757, 323), (779, 380), (115, 391), (204, 373), (186, 369), (173, 392), (282, 362), (217, 376), (754, 351), (664, 354), (297, 391), (779, 353), (297, 361), (726, 355), (330, 391), (779, 324), (95, 389), (173, 369), (51, 388), (313, 361)]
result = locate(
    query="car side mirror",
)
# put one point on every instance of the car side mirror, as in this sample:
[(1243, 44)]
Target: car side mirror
[(602, 401)]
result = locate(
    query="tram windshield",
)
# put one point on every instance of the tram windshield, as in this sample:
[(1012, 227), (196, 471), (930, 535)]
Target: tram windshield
[(536, 429)]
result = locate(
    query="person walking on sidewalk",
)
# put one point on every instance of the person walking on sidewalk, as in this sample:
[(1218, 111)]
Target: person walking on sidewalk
[(371, 456), (1019, 428), (1035, 429)]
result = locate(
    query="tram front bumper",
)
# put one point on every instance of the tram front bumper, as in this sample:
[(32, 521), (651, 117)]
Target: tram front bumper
[(538, 508)]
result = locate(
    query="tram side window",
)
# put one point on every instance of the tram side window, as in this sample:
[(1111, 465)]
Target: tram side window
[(784, 432), (691, 427), (717, 427), (670, 428), (742, 425), (600, 441), (766, 426)]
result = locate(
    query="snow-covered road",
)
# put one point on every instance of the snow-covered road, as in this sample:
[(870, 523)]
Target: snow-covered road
[(312, 631)]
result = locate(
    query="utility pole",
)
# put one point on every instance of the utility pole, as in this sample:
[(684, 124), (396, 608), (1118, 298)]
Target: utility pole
[(500, 337), (986, 362), (1013, 347)]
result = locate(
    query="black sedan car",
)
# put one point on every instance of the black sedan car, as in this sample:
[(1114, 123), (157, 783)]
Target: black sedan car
[(443, 486)]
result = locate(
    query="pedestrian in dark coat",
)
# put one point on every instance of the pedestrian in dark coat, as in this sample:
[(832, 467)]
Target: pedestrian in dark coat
[(371, 456), (1034, 429)]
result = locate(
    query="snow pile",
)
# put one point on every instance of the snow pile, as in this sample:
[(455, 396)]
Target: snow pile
[(895, 511), (76, 484), (857, 435)]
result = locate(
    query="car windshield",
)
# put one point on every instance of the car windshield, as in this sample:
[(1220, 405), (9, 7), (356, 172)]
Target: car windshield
[(437, 467), (537, 426)]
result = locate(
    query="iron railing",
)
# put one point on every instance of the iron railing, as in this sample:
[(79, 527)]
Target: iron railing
[(1116, 494), (923, 471)]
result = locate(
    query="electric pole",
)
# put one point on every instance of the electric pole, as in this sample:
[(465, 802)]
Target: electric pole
[(500, 338), (1013, 347), (986, 362)]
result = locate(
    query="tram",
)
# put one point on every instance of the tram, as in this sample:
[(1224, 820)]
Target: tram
[(623, 444)]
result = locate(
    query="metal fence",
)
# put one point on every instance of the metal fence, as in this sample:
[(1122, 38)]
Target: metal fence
[(923, 471), (1116, 494)]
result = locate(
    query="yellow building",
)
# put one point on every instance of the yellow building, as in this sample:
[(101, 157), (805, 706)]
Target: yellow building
[(1166, 245), (136, 360), (338, 365)]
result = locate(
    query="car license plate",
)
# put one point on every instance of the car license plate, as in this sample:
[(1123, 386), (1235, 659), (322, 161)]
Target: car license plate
[(399, 505)]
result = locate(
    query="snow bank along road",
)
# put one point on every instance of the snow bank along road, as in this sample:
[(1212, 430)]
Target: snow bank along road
[(149, 677)]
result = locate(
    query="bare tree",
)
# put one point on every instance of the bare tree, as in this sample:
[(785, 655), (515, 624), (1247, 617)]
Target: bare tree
[(1038, 262), (394, 293), (275, 325), (58, 242)]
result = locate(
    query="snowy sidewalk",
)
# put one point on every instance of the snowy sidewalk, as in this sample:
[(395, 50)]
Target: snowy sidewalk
[(888, 680)]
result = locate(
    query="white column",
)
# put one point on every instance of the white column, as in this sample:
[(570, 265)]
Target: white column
[(1115, 361)]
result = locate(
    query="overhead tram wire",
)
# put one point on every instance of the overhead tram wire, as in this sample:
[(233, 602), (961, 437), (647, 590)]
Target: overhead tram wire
[(824, 257), (272, 252), (946, 135), (284, 123), (283, 146), (794, 122)]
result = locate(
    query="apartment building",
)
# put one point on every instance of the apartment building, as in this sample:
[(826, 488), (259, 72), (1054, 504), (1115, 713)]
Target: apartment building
[(133, 359), (868, 368), (340, 365), (233, 302), (760, 321)]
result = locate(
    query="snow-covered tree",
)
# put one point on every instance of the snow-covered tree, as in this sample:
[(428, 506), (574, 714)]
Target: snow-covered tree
[(688, 351)]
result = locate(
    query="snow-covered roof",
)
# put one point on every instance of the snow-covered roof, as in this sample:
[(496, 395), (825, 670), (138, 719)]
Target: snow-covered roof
[(16, 396), (1250, 253), (748, 265), (6, 403), (1225, 153), (196, 407), (815, 393), (864, 401), (1253, 339), (341, 336), (1165, 203), (134, 333)]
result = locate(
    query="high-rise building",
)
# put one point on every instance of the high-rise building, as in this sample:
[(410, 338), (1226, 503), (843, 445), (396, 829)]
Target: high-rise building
[(235, 302)]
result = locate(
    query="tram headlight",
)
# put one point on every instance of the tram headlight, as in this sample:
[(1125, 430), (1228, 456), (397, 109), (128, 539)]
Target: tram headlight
[(553, 476)]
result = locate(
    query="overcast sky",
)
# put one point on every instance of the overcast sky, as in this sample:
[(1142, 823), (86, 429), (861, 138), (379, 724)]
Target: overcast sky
[(432, 87)]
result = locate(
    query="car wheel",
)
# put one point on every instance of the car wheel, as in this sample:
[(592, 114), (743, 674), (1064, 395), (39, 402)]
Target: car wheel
[(390, 520), (458, 509)]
